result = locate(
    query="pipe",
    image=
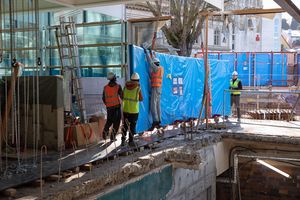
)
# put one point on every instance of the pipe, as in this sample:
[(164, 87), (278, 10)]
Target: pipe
[(262, 157)]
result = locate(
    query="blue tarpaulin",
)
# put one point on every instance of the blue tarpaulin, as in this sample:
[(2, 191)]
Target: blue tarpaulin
[(256, 69), (279, 73), (182, 89), (262, 70), (244, 68), (220, 77)]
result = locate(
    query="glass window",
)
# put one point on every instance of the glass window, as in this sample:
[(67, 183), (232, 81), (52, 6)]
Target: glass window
[(99, 34), (95, 56), (217, 37)]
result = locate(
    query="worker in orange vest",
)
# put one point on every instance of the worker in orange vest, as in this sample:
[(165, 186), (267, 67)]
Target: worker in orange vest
[(157, 73), (112, 95)]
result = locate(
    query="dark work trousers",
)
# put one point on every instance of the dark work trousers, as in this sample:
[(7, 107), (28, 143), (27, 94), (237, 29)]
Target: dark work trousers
[(113, 118), (235, 99), (129, 119)]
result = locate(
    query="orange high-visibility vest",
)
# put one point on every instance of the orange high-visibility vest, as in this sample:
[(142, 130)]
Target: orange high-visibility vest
[(111, 96), (156, 78)]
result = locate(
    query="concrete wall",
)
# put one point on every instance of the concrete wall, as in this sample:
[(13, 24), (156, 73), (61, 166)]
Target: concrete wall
[(41, 124), (187, 181), (196, 184)]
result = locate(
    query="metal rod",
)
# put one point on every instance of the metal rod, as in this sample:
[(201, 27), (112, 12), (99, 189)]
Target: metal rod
[(294, 106), (265, 91), (206, 71), (43, 149), (271, 70)]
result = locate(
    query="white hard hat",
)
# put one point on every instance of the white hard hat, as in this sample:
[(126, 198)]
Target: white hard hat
[(156, 60), (234, 73), (135, 77), (111, 75)]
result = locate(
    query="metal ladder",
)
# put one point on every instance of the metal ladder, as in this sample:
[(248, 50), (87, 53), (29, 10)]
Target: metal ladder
[(66, 39)]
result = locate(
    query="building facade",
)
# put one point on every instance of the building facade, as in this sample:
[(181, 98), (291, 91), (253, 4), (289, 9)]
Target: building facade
[(230, 33)]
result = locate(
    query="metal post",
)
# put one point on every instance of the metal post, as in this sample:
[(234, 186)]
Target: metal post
[(271, 70), (282, 69), (235, 62), (249, 69), (206, 71)]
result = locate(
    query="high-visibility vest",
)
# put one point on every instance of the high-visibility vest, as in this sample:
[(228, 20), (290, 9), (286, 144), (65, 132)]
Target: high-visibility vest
[(131, 100), (111, 96), (156, 78), (234, 85)]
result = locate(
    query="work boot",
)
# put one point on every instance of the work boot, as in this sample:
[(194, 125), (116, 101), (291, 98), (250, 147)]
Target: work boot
[(113, 138), (123, 143), (104, 136)]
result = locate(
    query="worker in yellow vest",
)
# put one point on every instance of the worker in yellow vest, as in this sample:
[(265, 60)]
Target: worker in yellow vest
[(132, 95), (157, 73), (112, 95), (236, 84)]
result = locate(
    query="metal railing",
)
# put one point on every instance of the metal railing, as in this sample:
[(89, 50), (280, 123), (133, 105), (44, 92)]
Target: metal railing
[(264, 104)]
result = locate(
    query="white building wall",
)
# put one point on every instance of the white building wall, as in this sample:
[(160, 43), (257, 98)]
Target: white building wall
[(271, 34)]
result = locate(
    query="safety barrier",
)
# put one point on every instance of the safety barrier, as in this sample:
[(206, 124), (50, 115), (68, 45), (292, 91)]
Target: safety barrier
[(262, 68), (265, 104)]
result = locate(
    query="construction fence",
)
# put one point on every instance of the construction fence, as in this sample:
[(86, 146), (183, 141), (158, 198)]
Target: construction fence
[(262, 68), (183, 84), (266, 104)]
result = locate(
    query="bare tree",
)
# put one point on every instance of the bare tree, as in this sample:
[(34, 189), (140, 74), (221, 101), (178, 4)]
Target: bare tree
[(186, 25)]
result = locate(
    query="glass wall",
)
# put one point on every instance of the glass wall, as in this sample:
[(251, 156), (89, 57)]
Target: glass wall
[(101, 42)]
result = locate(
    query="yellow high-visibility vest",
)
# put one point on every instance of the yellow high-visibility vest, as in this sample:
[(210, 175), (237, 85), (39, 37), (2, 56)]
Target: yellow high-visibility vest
[(234, 85), (131, 100)]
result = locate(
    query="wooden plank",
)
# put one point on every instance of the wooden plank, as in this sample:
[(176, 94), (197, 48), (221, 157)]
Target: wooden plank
[(149, 19)]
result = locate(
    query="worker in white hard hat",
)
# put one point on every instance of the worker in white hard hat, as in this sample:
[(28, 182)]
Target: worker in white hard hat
[(132, 96), (236, 84), (157, 72), (112, 95)]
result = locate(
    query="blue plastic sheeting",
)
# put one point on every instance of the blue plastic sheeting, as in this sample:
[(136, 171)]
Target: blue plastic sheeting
[(279, 75), (255, 69), (139, 66), (192, 72), (220, 77), (175, 106), (262, 69), (213, 56), (244, 68), (230, 58)]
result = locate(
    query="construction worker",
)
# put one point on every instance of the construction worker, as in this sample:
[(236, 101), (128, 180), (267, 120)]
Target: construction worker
[(157, 73), (236, 84), (112, 95), (132, 96)]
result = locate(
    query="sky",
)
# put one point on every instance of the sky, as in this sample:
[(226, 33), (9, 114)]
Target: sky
[(272, 4)]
